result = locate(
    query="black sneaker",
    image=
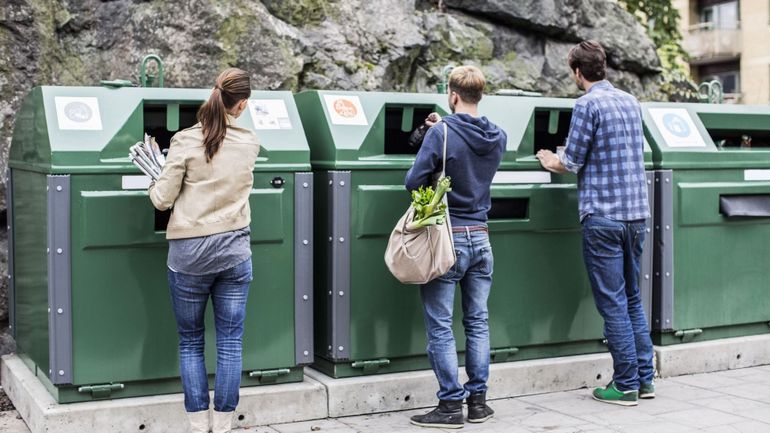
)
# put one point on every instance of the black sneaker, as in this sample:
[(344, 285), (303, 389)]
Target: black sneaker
[(478, 411), (448, 414)]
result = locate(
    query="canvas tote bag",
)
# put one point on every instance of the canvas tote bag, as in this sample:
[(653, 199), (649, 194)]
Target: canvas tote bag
[(419, 256)]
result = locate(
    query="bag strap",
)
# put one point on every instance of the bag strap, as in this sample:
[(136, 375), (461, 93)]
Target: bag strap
[(443, 161)]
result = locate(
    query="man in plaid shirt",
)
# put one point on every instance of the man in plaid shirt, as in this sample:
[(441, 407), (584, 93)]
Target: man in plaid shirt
[(605, 149)]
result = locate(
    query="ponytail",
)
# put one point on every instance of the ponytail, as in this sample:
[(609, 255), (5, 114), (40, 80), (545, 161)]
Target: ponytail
[(233, 85)]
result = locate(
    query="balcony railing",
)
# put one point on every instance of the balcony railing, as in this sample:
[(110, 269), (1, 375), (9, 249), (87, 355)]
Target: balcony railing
[(705, 42)]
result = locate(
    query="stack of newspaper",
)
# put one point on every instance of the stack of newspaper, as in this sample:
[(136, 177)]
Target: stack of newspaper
[(147, 156)]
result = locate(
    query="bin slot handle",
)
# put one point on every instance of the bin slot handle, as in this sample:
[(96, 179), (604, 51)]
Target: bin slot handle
[(172, 117), (371, 366), (101, 391), (407, 118), (269, 376), (503, 354), (688, 334), (553, 122), (746, 205)]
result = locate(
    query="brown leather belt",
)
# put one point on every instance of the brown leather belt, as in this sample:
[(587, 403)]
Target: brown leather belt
[(469, 229)]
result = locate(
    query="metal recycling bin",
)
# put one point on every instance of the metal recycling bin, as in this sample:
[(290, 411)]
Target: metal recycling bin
[(366, 321), (712, 220), (91, 310)]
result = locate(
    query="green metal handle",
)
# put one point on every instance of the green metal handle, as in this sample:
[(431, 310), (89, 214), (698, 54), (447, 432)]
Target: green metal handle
[(503, 354), (101, 391), (711, 92), (441, 87), (144, 79), (270, 373), (269, 376), (371, 366), (688, 333), (518, 92), (116, 83)]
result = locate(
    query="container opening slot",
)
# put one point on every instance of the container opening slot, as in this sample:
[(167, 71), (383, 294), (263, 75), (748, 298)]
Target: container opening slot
[(164, 120), (745, 205), (400, 121), (740, 138), (509, 208), (551, 129)]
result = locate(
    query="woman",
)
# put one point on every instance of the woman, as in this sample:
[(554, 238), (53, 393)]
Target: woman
[(206, 181)]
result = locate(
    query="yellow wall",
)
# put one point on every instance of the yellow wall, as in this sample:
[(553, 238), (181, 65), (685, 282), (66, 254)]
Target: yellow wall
[(755, 58)]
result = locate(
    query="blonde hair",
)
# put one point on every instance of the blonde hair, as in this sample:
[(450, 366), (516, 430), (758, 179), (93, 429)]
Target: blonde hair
[(468, 82)]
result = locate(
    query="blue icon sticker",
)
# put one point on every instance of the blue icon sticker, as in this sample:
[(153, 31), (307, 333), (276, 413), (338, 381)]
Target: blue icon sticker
[(676, 125)]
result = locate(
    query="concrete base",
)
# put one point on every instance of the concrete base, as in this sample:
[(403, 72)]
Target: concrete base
[(402, 391), (715, 355), (157, 414)]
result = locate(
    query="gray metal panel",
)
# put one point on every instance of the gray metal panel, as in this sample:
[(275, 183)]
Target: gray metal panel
[(663, 289), (645, 278), (59, 280), (11, 279), (339, 286), (303, 268)]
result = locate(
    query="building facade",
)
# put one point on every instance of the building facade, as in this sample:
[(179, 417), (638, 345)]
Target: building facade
[(729, 41)]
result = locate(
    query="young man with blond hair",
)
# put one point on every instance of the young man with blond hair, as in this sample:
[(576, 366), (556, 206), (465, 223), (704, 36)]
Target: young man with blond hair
[(475, 148), (605, 148)]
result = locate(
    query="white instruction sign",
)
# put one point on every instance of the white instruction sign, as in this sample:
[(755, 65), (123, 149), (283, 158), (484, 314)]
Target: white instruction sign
[(677, 127), (78, 113), (345, 110), (269, 114)]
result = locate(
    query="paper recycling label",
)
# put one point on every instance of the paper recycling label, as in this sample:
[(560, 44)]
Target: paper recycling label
[(269, 114), (78, 113)]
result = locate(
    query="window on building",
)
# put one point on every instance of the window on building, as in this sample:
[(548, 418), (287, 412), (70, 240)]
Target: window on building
[(719, 14), (727, 73)]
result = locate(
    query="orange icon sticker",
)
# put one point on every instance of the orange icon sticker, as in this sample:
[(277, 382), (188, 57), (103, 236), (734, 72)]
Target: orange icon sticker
[(345, 108)]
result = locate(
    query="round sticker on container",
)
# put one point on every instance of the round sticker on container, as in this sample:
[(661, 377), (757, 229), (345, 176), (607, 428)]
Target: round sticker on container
[(78, 113), (345, 110), (676, 127)]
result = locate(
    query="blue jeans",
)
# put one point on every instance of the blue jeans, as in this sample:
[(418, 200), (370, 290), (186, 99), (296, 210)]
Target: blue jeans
[(228, 290), (612, 250), (473, 270)]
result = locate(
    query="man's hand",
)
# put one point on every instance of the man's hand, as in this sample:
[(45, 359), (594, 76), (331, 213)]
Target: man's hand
[(550, 161), (432, 119)]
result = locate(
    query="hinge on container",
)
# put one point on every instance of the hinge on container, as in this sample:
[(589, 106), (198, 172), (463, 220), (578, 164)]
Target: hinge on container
[(688, 334), (101, 391), (502, 354), (269, 376), (372, 365)]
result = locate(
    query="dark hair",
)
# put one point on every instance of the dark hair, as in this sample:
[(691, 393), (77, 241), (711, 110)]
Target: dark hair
[(590, 59), (232, 86), (468, 82)]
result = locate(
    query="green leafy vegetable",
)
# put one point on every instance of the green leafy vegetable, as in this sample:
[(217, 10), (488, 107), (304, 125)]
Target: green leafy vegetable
[(428, 204)]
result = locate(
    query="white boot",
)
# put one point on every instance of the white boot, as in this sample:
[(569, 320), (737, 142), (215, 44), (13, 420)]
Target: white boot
[(199, 421), (221, 422)]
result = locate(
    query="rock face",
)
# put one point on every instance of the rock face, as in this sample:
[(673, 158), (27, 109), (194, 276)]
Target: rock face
[(391, 45)]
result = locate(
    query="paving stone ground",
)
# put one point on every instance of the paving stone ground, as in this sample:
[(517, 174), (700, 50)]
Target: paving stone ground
[(734, 401)]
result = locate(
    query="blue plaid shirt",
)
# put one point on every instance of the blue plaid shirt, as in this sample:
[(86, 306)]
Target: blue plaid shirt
[(605, 148)]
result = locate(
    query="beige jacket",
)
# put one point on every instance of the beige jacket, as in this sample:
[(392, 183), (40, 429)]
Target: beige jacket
[(207, 197)]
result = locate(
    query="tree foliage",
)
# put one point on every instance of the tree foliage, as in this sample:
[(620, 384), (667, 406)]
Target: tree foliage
[(662, 22)]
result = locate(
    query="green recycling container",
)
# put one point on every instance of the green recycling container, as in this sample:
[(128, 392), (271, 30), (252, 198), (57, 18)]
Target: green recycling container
[(366, 321), (91, 310), (712, 180)]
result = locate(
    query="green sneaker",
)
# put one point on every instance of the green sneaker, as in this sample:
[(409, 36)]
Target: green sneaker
[(647, 390), (612, 395)]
